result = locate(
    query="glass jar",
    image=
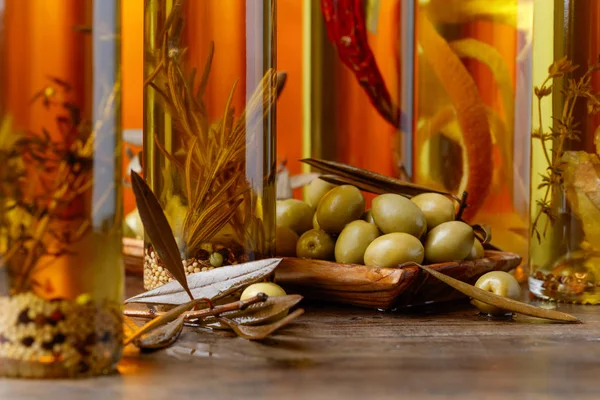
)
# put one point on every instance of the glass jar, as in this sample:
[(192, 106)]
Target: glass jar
[(565, 185), (209, 132), (471, 109), (61, 277)]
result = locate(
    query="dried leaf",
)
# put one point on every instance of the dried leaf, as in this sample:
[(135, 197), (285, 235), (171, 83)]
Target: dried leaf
[(262, 331), (281, 80), (212, 284), (581, 174), (483, 233), (370, 181), (499, 301), (158, 230), (258, 313), (161, 337), (163, 319)]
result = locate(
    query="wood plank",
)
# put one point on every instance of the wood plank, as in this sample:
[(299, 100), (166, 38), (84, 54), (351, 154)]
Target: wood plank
[(446, 351)]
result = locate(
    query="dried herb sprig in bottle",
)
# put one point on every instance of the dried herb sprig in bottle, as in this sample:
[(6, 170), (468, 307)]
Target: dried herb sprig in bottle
[(60, 191), (210, 88), (565, 144)]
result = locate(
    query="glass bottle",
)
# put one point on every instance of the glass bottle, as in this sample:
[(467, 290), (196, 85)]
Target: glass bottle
[(565, 143), (61, 282), (471, 97), (341, 123), (209, 132)]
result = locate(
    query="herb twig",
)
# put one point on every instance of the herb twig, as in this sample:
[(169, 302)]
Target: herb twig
[(565, 128), (44, 181)]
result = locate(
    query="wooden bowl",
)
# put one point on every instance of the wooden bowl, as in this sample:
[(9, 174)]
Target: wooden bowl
[(384, 288), (360, 285)]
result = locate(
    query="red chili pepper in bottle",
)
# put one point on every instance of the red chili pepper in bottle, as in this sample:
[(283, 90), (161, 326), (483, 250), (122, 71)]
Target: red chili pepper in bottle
[(345, 23)]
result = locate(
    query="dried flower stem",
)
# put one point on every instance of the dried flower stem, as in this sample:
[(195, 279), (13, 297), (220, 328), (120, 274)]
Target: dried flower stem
[(567, 129), (42, 177)]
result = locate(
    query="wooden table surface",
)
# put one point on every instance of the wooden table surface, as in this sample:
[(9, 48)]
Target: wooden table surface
[(339, 352)]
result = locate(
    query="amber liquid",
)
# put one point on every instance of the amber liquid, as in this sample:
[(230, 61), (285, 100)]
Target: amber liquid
[(243, 39), (565, 261), (501, 75), (60, 220)]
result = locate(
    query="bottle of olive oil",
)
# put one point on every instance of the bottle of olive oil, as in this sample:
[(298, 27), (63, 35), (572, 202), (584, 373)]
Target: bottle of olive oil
[(565, 237), (471, 117), (61, 279), (209, 133)]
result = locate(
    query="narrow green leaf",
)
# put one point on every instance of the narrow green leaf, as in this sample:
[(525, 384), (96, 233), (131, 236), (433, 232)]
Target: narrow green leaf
[(499, 301), (158, 230)]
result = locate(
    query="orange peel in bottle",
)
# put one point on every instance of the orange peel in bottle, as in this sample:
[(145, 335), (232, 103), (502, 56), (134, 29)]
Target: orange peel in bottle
[(470, 112)]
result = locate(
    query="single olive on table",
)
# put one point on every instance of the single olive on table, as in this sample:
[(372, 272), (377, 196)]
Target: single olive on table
[(269, 288), (500, 283)]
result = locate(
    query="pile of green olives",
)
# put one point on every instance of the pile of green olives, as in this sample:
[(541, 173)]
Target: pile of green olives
[(334, 225)]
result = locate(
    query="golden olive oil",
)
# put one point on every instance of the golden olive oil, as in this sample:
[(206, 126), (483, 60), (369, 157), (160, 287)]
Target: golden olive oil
[(565, 246), (471, 109), (209, 138), (61, 277)]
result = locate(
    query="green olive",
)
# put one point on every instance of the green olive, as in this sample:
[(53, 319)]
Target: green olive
[(294, 214), (450, 241), (316, 190), (395, 213), (500, 283), (436, 207), (339, 207), (269, 288), (215, 259), (315, 222), (315, 244), (394, 249), (368, 216), (352, 242), (477, 250), (285, 242)]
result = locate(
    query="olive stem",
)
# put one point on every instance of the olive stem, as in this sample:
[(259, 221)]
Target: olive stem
[(463, 206), (207, 312)]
